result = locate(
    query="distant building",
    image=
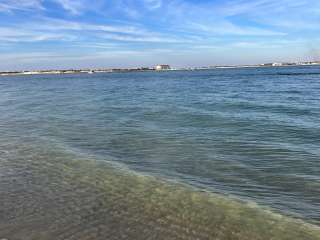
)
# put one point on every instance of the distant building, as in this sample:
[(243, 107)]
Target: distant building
[(266, 64), (163, 67)]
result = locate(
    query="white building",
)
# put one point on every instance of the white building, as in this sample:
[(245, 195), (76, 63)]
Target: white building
[(163, 67)]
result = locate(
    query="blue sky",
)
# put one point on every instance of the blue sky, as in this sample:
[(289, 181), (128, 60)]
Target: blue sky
[(46, 34)]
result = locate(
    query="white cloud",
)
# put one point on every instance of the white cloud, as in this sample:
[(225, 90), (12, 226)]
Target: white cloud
[(50, 24), (153, 4), (13, 5), (143, 38), (264, 17), (73, 6), (178, 25), (62, 30), (227, 28), (287, 14), (17, 35)]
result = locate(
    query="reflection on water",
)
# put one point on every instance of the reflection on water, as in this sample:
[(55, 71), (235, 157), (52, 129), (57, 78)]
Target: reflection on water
[(53, 194)]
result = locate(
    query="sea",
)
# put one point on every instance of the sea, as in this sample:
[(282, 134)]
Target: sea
[(207, 154)]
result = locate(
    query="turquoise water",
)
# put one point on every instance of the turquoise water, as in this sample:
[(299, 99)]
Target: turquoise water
[(247, 134)]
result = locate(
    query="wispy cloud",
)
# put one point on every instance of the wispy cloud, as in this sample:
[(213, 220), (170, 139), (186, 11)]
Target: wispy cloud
[(178, 28), (287, 14), (18, 35), (143, 38), (14, 5), (153, 4), (73, 6), (63, 30), (228, 28), (53, 24)]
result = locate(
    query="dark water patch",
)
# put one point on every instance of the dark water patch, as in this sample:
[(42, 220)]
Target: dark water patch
[(298, 74)]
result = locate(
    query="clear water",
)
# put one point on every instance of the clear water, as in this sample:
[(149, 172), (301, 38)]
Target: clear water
[(79, 146)]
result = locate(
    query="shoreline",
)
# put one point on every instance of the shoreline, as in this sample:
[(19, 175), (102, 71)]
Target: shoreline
[(94, 71)]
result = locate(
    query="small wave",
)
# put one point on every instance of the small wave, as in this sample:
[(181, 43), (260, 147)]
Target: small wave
[(68, 198)]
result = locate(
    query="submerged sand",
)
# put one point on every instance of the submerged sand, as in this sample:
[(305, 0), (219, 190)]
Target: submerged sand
[(51, 194)]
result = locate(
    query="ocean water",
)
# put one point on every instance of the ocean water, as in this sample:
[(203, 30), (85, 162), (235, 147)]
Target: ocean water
[(212, 154)]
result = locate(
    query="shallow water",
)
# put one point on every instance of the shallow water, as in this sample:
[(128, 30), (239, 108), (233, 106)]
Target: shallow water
[(74, 151), (55, 194)]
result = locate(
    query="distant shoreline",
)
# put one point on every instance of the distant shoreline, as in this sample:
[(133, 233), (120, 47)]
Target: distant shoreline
[(124, 70)]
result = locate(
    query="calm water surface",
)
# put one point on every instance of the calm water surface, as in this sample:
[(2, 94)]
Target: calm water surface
[(96, 150)]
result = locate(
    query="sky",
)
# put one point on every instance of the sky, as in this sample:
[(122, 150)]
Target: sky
[(64, 34)]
